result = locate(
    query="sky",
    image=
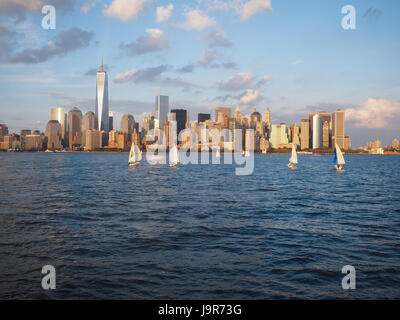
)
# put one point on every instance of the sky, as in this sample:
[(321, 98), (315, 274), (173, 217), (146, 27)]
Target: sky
[(292, 57)]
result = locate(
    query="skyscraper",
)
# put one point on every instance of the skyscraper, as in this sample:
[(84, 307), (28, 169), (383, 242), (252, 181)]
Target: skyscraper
[(102, 113), (162, 108), (181, 119), (74, 127), (127, 124), (305, 134), (60, 115), (338, 135), (88, 123), (53, 134), (317, 131)]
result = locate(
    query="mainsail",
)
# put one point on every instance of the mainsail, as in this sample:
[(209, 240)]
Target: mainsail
[(339, 159), (293, 158), (135, 154), (173, 155)]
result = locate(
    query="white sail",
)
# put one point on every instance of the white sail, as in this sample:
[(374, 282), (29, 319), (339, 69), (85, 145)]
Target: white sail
[(135, 155), (218, 155), (293, 158), (173, 155), (138, 153), (339, 155)]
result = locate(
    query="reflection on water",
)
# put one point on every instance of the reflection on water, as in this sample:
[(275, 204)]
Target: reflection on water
[(198, 231)]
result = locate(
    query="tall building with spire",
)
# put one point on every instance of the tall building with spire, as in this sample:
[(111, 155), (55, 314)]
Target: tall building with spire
[(102, 112)]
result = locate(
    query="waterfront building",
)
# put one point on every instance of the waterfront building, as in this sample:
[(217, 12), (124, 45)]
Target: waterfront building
[(74, 127), (54, 135), (23, 134), (202, 117), (93, 140), (347, 143), (279, 136), (33, 142), (316, 131), (89, 122), (60, 115), (338, 128), (101, 109), (162, 109)]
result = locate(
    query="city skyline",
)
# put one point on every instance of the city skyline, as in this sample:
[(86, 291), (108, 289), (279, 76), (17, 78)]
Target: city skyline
[(200, 55)]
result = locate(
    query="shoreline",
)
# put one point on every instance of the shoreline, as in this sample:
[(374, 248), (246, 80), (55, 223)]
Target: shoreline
[(270, 153)]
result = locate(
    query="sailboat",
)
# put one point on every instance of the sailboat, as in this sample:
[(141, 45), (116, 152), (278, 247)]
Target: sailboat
[(218, 155), (135, 155), (173, 156), (293, 159), (338, 159)]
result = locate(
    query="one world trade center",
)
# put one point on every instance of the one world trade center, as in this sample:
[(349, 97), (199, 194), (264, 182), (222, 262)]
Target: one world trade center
[(102, 113)]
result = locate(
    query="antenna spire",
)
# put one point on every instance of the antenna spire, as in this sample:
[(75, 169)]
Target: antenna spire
[(102, 64)]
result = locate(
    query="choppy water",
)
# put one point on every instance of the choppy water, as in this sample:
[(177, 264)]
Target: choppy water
[(198, 231)]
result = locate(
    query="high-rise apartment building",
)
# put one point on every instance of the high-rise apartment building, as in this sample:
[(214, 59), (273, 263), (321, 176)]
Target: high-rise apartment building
[(102, 112)]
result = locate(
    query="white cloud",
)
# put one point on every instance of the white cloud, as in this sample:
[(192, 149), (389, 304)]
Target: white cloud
[(237, 81), (87, 6), (374, 113), (125, 9), (245, 9), (251, 97), (252, 7), (155, 41), (164, 13), (197, 20)]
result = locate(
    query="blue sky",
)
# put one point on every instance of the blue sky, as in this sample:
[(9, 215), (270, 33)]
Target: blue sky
[(290, 56)]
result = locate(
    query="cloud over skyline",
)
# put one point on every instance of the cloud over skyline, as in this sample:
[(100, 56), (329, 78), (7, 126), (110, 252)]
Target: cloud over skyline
[(156, 40)]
